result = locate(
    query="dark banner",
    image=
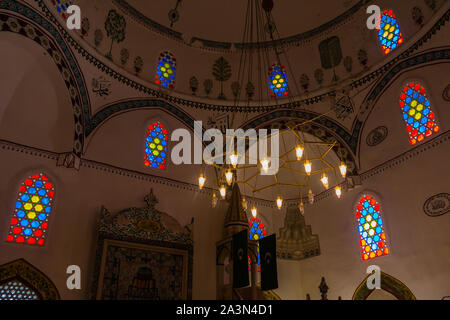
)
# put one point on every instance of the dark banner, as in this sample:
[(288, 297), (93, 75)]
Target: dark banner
[(240, 260), (268, 256)]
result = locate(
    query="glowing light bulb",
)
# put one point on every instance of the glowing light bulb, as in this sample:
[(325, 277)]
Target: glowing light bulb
[(343, 169), (254, 212), (325, 181), (301, 207), (201, 181), (244, 203), (214, 200), (229, 177), (223, 191), (308, 167), (310, 196), (338, 191), (299, 152), (279, 202), (265, 165), (234, 160)]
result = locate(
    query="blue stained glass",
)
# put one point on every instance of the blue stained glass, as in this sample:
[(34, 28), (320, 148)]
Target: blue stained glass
[(28, 232), (24, 223), (42, 217), (20, 214), (32, 191), (42, 192), (18, 204)]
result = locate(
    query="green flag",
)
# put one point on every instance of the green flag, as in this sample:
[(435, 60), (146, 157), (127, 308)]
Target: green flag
[(240, 259), (268, 256)]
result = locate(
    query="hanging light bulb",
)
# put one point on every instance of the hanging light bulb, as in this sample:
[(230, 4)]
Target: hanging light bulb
[(279, 202), (325, 181), (265, 165), (234, 160), (301, 207), (299, 152), (338, 191), (310, 196), (308, 167), (201, 181), (229, 177), (223, 191), (343, 169), (254, 212), (214, 200), (244, 203)]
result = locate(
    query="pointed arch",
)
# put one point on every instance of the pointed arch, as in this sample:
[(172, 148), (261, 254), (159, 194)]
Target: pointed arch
[(19, 280), (29, 222), (278, 81), (166, 70), (389, 35), (156, 146), (371, 228), (417, 112), (388, 283)]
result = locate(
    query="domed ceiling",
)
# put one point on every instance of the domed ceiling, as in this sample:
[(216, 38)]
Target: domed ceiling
[(224, 20)]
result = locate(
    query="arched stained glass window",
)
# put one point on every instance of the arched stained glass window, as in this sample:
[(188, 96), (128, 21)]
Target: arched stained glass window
[(61, 6), (166, 70), (278, 81), (389, 34), (257, 231), (16, 290), (419, 117), (156, 146), (32, 209), (370, 227)]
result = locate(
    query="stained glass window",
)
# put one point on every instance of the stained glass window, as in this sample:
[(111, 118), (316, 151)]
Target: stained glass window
[(370, 227), (419, 118), (32, 209), (16, 290), (166, 70), (257, 231), (389, 34), (278, 81), (61, 6), (156, 146)]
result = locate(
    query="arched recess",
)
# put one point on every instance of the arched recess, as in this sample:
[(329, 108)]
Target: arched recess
[(317, 125), (22, 271), (388, 283), (25, 21)]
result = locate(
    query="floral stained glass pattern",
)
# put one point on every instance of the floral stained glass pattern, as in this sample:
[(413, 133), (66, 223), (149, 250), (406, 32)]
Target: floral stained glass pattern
[(166, 70), (370, 227), (419, 118), (156, 146), (278, 82), (389, 34), (32, 209), (61, 6)]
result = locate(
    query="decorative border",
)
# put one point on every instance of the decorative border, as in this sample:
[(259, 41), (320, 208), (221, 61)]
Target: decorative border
[(24, 271), (385, 131), (388, 283), (444, 211)]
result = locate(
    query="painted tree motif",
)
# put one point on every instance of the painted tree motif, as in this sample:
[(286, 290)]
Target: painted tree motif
[(222, 73), (115, 26)]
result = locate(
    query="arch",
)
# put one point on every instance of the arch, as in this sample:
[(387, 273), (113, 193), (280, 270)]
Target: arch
[(29, 222), (156, 146), (389, 35), (388, 283), (278, 81), (166, 70), (370, 226), (30, 277), (417, 112)]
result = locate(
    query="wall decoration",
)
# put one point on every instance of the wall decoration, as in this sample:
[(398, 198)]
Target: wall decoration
[(377, 136), (193, 84), (348, 64), (61, 6), (208, 85), (124, 56), (250, 90), (344, 107), (174, 15), (138, 65), (296, 241), (115, 26), (101, 86), (431, 4), (446, 93), (304, 81), (156, 146), (417, 16), (143, 254), (437, 205), (330, 53), (389, 34), (362, 58), (318, 75), (98, 37), (222, 72), (85, 26), (235, 89)]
